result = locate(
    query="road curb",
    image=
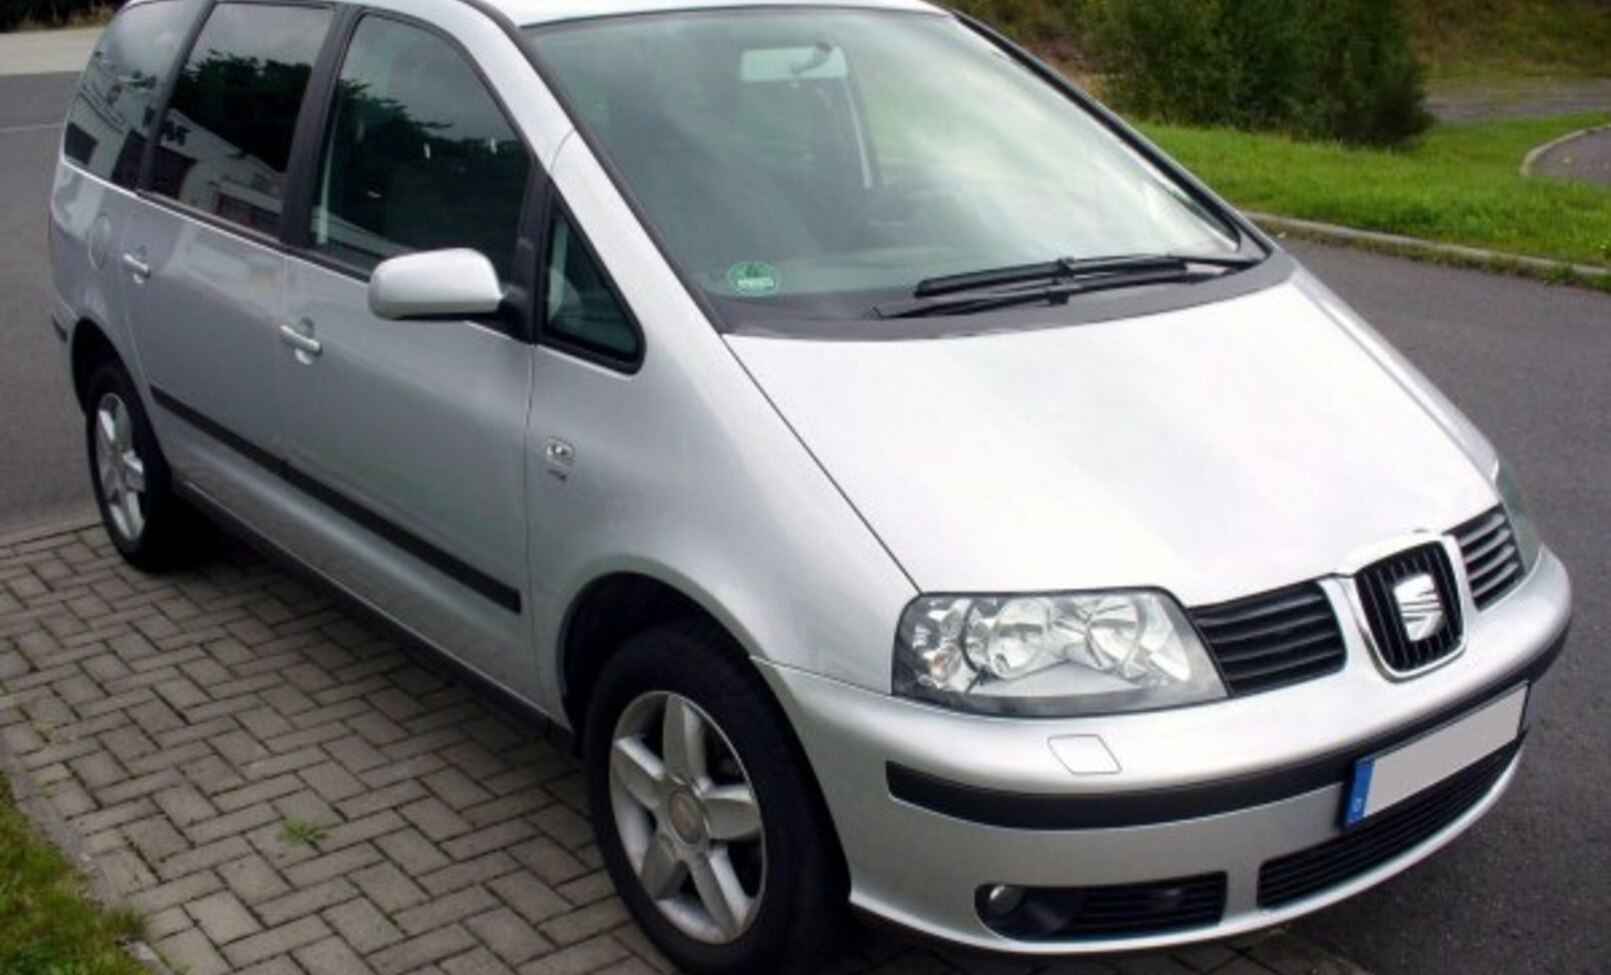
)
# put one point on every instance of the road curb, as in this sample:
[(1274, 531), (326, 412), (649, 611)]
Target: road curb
[(1538, 152), (1561, 272)]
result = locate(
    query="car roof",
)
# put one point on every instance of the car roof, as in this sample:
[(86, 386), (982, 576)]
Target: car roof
[(530, 12)]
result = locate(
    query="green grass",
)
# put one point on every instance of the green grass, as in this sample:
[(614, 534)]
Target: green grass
[(1459, 184), (47, 925)]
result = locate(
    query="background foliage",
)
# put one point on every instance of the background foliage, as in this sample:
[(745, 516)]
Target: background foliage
[(1341, 69)]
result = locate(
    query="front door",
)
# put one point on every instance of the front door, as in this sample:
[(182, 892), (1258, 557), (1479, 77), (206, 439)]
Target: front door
[(413, 432)]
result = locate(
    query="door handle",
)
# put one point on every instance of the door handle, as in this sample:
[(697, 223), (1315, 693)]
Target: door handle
[(135, 264), (299, 340)]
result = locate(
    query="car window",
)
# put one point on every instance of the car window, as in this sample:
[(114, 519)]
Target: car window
[(418, 154), (227, 134), (581, 306), (110, 117)]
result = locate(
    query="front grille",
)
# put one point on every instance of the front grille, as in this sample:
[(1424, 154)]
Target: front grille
[(1117, 911), (1493, 562), (1390, 835), (1274, 639), (1376, 583)]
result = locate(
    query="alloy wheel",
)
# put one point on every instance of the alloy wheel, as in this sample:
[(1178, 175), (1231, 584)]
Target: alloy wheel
[(687, 816), (119, 468)]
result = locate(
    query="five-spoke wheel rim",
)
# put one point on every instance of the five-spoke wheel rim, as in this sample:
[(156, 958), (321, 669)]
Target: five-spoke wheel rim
[(687, 817), (119, 468)]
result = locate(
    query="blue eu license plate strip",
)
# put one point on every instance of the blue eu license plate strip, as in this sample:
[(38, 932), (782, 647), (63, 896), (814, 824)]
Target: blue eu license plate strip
[(1383, 780)]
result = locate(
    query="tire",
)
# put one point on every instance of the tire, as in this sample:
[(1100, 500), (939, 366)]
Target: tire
[(150, 526), (789, 871)]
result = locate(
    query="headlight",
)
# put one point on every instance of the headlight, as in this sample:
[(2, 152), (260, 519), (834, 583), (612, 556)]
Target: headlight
[(1052, 655), (1522, 525)]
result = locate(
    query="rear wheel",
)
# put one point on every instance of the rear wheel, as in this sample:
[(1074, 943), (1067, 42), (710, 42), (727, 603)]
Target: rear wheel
[(150, 526), (705, 811)]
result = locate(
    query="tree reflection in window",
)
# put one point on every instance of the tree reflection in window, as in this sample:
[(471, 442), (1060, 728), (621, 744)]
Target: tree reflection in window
[(235, 108), (418, 155)]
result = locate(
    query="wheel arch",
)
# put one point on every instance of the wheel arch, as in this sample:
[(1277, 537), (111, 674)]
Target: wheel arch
[(603, 615), (90, 348)]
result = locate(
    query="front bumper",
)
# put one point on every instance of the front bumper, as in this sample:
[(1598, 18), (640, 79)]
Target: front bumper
[(933, 806)]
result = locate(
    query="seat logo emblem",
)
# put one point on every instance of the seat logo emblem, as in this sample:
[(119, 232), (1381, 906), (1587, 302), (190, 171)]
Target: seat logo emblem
[(1419, 607)]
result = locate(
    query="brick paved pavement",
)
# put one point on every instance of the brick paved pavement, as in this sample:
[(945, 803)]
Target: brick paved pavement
[(282, 792)]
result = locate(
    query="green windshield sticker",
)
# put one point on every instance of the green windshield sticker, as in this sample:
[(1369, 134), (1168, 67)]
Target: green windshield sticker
[(753, 279)]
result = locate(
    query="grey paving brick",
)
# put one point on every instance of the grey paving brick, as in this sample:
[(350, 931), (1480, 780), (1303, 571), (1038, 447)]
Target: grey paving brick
[(156, 839), (463, 873), (356, 755), (332, 956), (456, 789), (253, 879), (184, 805), (176, 892), (238, 821), (584, 923), (193, 953), (410, 850), (306, 900), (423, 950), (508, 935), (222, 916), (531, 898), (577, 959), (212, 854), (387, 887), (587, 888), (165, 922), (445, 910), (363, 925), (331, 865), (434, 819), (333, 783), (261, 791), (476, 961), (550, 861), (282, 940)]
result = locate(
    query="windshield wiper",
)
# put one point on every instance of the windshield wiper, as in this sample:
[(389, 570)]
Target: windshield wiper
[(962, 294), (1071, 268)]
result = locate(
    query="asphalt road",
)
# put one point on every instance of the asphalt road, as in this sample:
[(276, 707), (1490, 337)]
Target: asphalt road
[(1527, 890), (42, 468)]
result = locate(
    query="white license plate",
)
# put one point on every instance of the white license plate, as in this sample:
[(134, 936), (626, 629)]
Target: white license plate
[(1386, 779)]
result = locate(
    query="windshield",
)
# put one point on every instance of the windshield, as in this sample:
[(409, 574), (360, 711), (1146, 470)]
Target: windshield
[(812, 160)]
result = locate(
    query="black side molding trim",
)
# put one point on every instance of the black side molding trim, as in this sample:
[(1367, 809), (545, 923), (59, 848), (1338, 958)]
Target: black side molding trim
[(446, 563), (1011, 810)]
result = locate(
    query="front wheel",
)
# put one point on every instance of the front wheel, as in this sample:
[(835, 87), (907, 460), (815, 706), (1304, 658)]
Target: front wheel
[(706, 814)]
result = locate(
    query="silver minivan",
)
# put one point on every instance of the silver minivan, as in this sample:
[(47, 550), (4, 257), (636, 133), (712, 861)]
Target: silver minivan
[(904, 484)]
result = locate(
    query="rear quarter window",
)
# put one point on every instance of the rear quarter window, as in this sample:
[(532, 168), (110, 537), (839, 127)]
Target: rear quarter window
[(111, 115)]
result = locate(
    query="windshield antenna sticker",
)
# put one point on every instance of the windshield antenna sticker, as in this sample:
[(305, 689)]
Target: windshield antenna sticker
[(753, 279)]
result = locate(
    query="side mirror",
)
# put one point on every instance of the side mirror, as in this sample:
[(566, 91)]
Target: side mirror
[(454, 283)]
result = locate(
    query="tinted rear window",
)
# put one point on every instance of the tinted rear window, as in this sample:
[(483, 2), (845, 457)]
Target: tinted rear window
[(234, 110), (111, 114)]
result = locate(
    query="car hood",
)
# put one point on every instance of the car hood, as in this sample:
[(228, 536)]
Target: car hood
[(1216, 451)]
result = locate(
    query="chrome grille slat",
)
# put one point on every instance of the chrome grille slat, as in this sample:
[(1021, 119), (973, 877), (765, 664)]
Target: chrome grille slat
[(1492, 559)]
